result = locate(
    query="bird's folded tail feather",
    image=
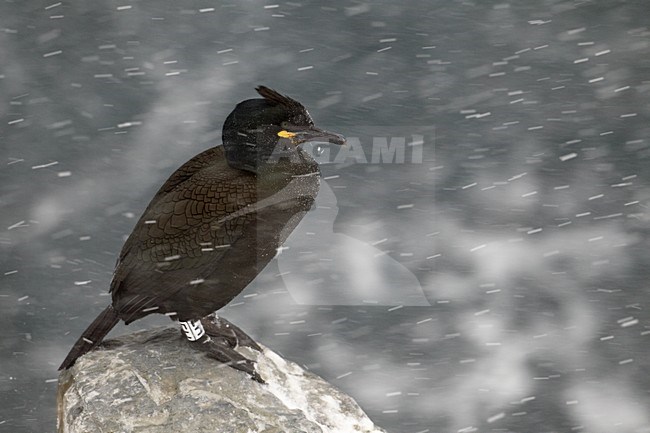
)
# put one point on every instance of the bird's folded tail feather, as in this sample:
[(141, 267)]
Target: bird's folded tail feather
[(92, 336)]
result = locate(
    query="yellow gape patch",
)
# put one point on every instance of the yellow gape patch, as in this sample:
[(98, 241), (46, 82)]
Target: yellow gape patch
[(286, 134)]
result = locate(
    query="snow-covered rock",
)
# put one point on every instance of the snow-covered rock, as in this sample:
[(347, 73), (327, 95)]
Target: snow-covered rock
[(152, 381)]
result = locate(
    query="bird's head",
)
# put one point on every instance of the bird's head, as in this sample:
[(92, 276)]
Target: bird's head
[(264, 131)]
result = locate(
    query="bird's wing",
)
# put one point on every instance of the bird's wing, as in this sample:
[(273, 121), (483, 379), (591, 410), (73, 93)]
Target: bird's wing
[(190, 224)]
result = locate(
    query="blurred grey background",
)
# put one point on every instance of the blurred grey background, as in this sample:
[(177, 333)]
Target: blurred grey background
[(510, 263)]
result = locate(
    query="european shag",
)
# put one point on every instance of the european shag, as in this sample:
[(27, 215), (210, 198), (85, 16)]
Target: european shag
[(214, 225)]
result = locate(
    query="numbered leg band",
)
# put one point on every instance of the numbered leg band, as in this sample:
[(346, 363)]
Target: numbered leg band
[(193, 330)]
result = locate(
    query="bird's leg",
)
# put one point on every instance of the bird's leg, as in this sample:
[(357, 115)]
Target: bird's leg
[(193, 330), (218, 342)]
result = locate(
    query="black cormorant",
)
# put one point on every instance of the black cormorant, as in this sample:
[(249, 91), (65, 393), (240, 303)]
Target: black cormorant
[(214, 225)]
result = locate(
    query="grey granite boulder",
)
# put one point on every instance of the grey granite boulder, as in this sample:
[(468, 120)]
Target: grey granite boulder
[(152, 382)]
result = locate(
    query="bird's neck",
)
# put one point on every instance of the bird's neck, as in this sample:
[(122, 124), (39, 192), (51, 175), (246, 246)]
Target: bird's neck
[(297, 163)]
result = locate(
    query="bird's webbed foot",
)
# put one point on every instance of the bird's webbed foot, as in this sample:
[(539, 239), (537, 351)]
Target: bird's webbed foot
[(219, 348), (218, 338), (216, 326)]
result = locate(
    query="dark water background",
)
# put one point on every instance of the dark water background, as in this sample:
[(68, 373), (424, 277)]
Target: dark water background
[(521, 233)]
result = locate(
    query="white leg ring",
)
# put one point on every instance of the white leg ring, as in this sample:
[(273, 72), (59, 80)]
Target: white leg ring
[(193, 329)]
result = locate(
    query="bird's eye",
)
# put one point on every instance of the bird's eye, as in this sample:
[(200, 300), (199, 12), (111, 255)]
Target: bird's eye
[(285, 124)]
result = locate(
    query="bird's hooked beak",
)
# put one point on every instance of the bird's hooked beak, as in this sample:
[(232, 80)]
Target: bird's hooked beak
[(299, 135)]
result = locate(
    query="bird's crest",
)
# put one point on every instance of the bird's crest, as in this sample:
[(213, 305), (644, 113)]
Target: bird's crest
[(277, 98)]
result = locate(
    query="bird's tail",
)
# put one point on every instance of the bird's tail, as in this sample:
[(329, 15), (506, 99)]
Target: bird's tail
[(92, 336)]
